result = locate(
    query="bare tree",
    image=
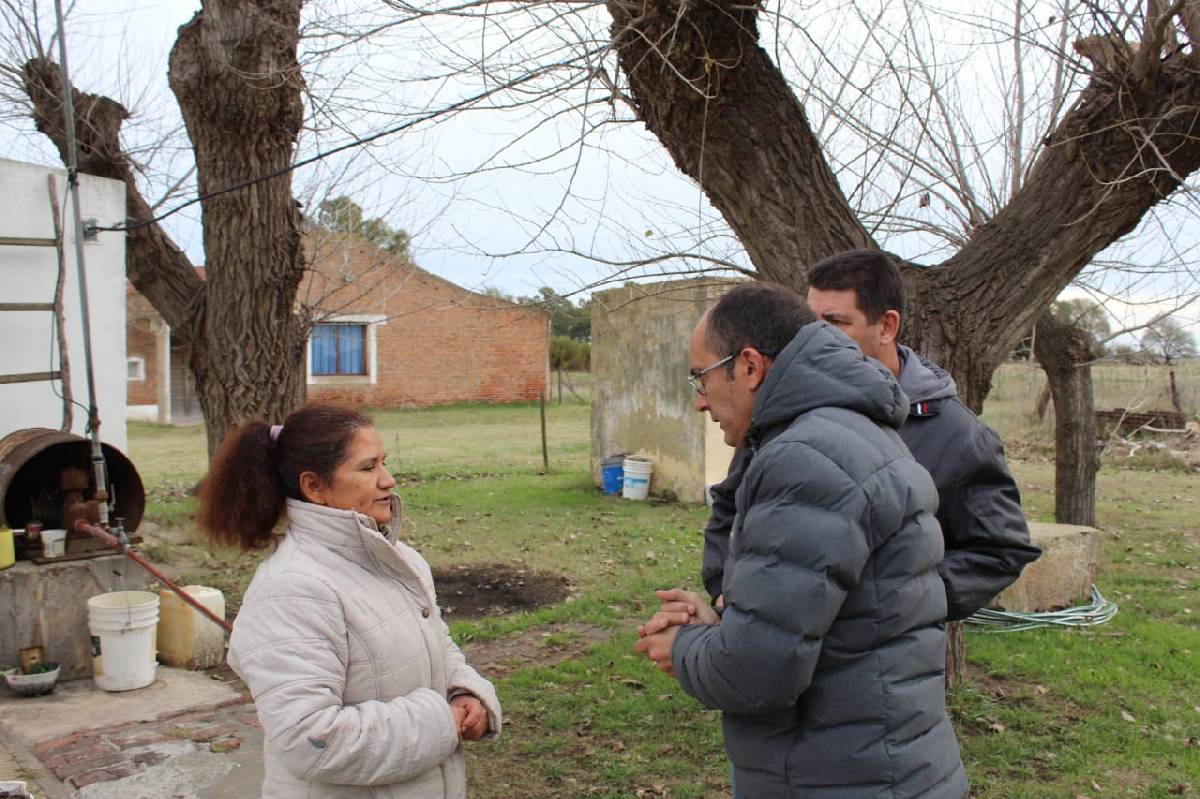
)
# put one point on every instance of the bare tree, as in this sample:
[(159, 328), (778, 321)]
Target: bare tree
[(234, 74), (1167, 338)]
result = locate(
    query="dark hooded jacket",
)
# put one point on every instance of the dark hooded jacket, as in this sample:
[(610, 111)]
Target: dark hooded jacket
[(979, 506), (829, 659)]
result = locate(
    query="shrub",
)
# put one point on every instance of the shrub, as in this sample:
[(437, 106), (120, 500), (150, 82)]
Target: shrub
[(570, 354)]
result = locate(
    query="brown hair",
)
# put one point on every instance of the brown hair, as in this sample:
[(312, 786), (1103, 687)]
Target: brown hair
[(873, 275), (243, 496)]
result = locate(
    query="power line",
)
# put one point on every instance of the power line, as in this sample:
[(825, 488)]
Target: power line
[(127, 227)]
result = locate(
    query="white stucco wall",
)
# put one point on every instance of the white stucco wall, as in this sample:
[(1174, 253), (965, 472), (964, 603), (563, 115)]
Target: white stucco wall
[(28, 274)]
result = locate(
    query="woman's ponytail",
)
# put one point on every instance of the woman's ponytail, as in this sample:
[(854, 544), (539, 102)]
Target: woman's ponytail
[(242, 498)]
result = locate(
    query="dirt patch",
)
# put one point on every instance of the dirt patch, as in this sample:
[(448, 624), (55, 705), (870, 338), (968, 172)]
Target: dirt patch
[(494, 588), (542, 646)]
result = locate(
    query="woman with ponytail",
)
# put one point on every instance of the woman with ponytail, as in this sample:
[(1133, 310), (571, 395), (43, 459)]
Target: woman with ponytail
[(359, 689)]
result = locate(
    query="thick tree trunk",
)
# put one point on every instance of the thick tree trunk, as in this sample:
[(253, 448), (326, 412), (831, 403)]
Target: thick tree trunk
[(234, 72), (156, 267), (1065, 353), (235, 75), (721, 108)]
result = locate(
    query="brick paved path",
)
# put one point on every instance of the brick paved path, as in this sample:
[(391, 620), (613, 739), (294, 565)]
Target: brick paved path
[(95, 756)]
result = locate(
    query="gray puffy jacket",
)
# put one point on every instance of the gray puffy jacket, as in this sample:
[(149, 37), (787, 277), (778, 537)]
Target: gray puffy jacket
[(979, 506), (829, 659)]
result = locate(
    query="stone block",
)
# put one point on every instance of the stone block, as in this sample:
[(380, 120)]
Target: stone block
[(1062, 577)]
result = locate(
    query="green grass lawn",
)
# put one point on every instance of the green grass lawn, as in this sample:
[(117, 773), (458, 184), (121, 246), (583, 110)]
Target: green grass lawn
[(1112, 711)]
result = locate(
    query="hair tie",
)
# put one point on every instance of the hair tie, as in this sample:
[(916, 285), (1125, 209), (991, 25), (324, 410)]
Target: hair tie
[(276, 429)]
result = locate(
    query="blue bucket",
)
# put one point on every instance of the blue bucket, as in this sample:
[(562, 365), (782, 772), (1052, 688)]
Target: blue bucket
[(613, 474)]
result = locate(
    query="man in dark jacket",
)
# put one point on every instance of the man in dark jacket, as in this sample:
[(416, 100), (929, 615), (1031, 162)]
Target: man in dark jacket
[(979, 508), (828, 657)]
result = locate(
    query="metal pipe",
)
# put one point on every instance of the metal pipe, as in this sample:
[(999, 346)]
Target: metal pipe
[(68, 104), (82, 526)]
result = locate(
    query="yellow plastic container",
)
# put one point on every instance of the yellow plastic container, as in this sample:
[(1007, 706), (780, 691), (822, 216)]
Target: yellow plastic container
[(8, 551), (186, 638)]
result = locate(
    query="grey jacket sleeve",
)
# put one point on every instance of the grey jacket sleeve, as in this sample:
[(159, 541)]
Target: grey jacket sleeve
[(720, 524), (987, 538), (801, 549)]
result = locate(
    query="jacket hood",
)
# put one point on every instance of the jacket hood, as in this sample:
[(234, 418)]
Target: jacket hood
[(924, 380), (822, 367)]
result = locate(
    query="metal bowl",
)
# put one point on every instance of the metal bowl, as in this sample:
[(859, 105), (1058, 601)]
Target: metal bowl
[(31, 684)]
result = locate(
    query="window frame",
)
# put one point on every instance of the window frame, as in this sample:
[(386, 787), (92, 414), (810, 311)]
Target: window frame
[(370, 323), (139, 375)]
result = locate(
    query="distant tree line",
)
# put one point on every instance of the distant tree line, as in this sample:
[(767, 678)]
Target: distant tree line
[(570, 326), (1164, 341)]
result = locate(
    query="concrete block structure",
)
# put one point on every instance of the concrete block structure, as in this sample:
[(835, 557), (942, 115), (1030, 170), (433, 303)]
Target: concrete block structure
[(1062, 577), (29, 272), (641, 401), (47, 605)]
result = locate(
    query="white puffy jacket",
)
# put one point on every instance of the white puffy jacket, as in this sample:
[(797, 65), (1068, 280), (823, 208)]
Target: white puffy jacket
[(351, 667)]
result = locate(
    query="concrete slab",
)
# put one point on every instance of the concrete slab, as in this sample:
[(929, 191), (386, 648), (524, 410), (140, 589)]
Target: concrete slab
[(1062, 577), (79, 705)]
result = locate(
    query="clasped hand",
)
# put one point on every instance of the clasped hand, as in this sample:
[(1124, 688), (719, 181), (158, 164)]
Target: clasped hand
[(657, 636), (470, 717)]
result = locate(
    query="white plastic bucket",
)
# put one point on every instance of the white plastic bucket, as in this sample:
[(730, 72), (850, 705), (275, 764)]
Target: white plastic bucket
[(637, 478), (123, 626), (54, 543)]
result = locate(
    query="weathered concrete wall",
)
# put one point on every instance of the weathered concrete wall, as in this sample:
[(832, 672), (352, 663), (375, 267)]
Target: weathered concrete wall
[(641, 400), (47, 605), (1062, 576), (29, 274)]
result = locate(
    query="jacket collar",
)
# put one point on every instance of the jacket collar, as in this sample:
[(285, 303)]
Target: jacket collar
[(353, 535)]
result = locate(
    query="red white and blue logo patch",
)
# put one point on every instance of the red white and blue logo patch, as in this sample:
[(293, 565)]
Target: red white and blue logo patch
[(922, 409)]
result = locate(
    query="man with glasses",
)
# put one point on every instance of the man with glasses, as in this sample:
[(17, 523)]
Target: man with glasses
[(827, 658), (986, 537)]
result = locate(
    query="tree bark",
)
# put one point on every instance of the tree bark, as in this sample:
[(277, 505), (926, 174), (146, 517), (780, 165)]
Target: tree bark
[(703, 85), (156, 267), (235, 74), (1065, 353)]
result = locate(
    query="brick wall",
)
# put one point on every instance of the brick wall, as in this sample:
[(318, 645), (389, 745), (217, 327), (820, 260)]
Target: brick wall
[(140, 320), (439, 343), (1130, 421)]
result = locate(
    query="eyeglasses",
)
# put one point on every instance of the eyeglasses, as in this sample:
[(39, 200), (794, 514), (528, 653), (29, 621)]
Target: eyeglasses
[(696, 378)]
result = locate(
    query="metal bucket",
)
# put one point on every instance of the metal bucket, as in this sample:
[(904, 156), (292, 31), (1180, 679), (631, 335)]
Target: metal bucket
[(30, 462)]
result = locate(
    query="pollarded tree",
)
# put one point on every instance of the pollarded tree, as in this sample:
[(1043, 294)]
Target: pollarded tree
[(706, 87), (235, 76)]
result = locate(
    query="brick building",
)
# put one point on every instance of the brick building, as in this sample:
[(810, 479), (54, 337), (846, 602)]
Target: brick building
[(386, 333)]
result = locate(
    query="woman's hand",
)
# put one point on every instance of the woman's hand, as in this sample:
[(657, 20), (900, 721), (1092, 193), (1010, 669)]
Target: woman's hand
[(473, 721)]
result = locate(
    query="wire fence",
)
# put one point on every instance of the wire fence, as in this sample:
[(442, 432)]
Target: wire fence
[(1016, 388)]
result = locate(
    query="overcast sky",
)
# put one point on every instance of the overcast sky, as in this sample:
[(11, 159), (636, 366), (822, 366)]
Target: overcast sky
[(617, 195)]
